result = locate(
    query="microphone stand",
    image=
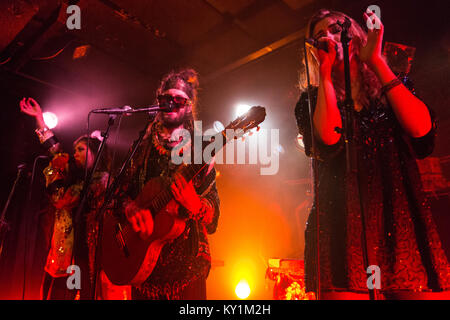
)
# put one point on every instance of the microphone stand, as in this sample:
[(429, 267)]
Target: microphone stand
[(4, 226), (351, 141), (315, 175), (77, 218), (109, 193)]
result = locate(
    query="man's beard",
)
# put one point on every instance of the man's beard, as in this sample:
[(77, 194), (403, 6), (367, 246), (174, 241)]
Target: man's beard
[(175, 123)]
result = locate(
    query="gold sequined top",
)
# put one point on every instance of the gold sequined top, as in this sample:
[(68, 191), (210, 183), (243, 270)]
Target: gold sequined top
[(63, 200)]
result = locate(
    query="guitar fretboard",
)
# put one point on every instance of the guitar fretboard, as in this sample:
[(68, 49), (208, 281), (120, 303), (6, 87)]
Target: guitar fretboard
[(188, 172)]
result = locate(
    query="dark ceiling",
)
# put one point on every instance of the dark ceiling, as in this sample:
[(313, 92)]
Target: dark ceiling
[(237, 46), (213, 36), (133, 43)]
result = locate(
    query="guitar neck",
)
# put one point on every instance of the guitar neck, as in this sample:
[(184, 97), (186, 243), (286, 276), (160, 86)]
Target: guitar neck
[(189, 172)]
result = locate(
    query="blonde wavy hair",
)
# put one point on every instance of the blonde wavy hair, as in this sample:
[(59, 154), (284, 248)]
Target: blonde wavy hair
[(370, 85)]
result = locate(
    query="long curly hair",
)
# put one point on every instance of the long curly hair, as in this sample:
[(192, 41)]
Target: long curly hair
[(370, 85), (94, 144), (185, 80)]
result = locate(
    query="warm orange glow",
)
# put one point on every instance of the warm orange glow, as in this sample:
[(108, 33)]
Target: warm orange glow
[(296, 291), (257, 222)]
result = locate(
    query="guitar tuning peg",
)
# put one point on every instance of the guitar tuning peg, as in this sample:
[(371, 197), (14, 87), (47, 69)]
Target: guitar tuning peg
[(243, 138), (257, 128), (250, 133)]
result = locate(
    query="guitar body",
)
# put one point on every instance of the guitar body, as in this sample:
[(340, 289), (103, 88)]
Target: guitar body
[(135, 264)]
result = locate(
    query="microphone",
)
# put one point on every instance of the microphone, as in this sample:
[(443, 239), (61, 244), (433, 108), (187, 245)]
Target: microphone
[(166, 106), (155, 108), (124, 109), (345, 25), (321, 45), (129, 110)]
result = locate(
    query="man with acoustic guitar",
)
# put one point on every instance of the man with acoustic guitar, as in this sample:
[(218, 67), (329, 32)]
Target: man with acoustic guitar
[(184, 262)]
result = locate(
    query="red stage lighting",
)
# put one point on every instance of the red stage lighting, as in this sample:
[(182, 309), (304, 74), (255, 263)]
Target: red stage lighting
[(81, 52)]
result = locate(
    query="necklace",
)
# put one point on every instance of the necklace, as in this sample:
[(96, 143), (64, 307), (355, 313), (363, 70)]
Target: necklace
[(161, 148)]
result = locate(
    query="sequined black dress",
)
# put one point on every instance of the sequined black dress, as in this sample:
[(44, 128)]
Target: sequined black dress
[(401, 236)]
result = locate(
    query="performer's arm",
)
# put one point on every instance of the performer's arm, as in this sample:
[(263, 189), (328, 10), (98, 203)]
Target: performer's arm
[(46, 137), (412, 114), (141, 219), (212, 197), (326, 114), (200, 208)]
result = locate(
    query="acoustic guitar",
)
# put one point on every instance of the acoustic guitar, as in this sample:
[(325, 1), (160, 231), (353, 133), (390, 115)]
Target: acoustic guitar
[(126, 258)]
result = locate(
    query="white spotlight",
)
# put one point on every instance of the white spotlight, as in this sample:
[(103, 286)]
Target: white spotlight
[(242, 289), (241, 109), (50, 119)]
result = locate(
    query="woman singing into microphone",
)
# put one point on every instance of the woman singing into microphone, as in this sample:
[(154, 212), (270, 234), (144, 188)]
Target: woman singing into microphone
[(393, 129)]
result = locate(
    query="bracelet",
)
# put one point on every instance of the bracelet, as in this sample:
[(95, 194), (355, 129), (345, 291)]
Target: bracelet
[(50, 142), (391, 84), (43, 134), (204, 211)]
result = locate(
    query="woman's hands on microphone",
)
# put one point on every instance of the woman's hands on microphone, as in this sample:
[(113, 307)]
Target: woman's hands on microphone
[(325, 59)]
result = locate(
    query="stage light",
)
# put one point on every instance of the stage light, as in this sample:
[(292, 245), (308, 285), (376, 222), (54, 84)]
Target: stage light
[(300, 143), (218, 126), (81, 52), (242, 290), (50, 119), (241, 109)]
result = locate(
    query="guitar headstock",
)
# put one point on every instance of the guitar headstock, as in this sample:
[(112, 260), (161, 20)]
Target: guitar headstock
[(251, 119)]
